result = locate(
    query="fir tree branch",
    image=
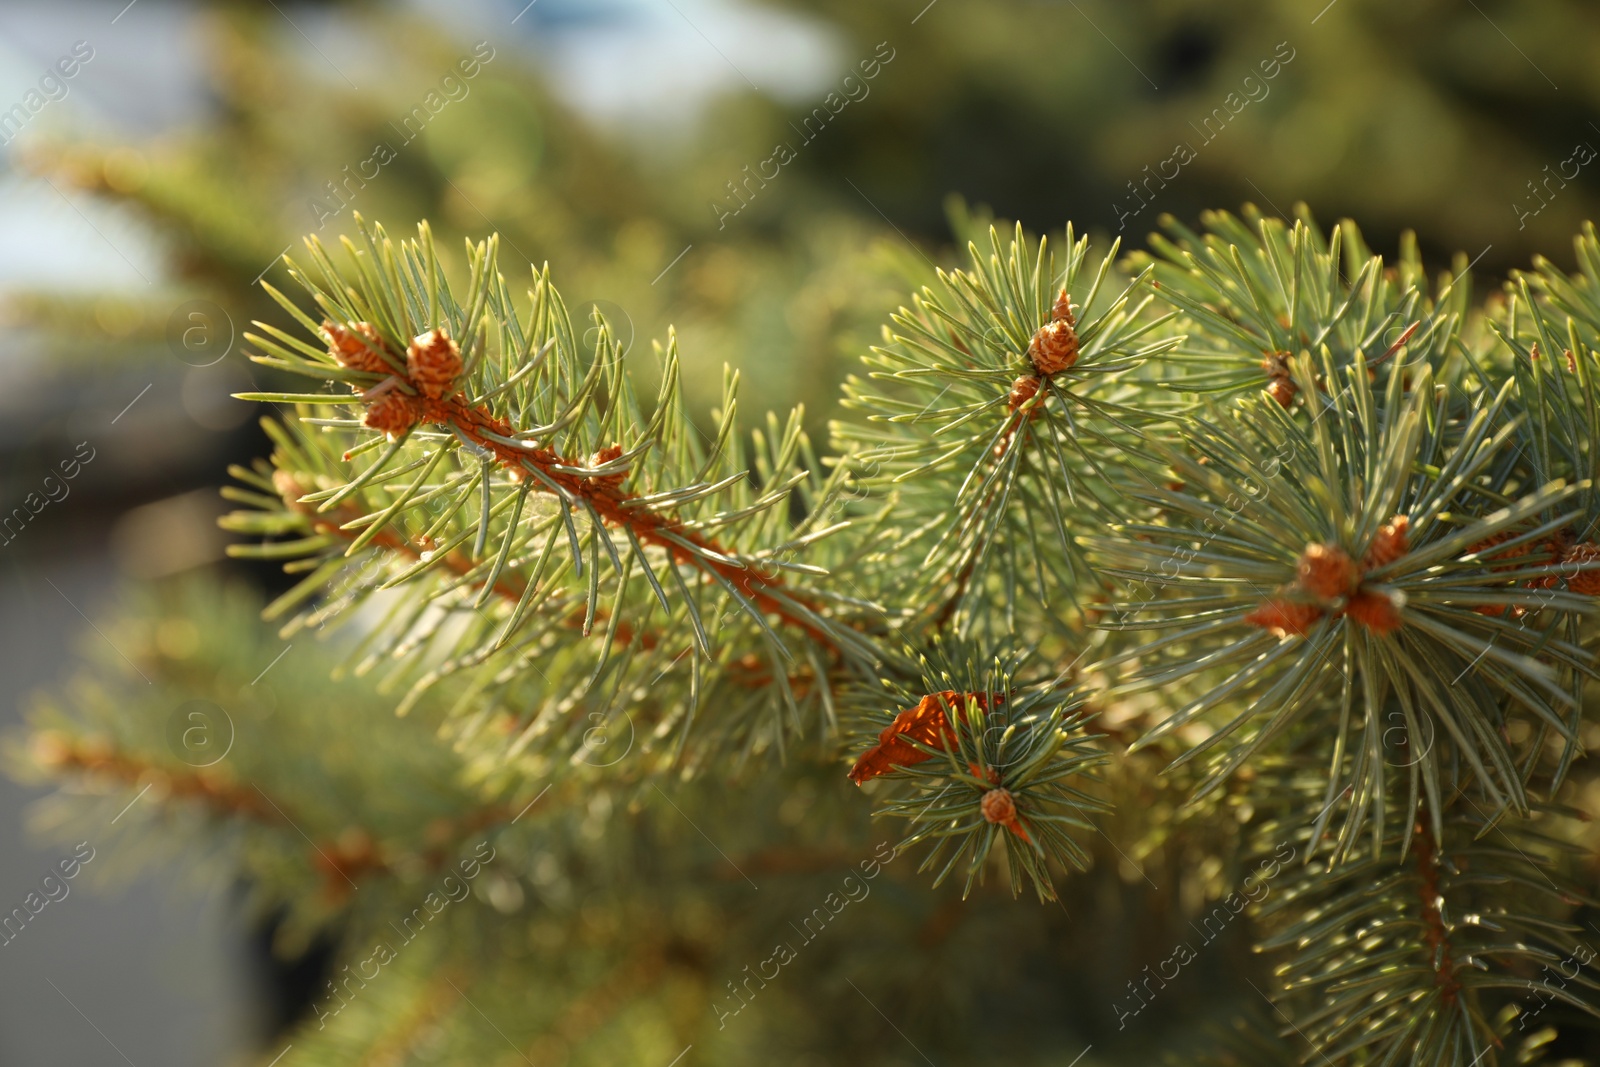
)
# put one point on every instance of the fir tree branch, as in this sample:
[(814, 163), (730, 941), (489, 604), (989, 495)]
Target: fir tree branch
[(1007, 382), (1411, 963), (988, 758), (479, 434), (1285, 577), (356, 853)]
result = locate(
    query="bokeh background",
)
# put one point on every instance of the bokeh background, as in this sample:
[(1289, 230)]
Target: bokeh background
[(144, 198)]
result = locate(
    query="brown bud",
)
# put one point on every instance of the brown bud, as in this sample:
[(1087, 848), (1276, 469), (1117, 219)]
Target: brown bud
[(1280, 384), (1389, 543), (1054, 347), (998, 807), (1062, 311), (392, 412), (1285, 618), (1375, 611), (1022, 390), (1327, 571), (357, 346), (433, 363), (1283, 390)]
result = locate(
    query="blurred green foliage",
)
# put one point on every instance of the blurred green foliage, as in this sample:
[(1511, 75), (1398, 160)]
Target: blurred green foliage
[(228, 196), (1419, 114), (603, 925)]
